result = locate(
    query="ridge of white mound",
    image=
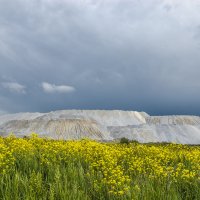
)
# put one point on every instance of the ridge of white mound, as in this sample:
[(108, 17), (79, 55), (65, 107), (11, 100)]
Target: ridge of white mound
[(174, 120), (104, 125), (18, 116)]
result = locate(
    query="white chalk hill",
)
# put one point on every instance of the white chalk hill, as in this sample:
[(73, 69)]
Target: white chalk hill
[(104, 125)]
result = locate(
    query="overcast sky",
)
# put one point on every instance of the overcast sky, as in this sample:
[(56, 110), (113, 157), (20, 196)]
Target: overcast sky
[(139, 55)]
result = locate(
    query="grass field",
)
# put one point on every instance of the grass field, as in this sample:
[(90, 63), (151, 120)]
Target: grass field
[(38, 168)]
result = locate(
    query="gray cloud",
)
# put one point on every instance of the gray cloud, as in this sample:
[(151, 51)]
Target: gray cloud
[(118, 54), (52, 88), (14, 87)]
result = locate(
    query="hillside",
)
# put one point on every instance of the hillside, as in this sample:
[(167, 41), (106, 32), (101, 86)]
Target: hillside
[(104, 125)]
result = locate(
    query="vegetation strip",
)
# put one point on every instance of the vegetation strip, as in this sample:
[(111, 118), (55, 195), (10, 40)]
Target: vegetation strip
[(36, 168)]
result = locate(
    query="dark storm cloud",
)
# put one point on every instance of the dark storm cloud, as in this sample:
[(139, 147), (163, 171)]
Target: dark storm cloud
[(115, 54)]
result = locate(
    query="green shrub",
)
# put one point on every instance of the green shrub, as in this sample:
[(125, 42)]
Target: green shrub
[(124, 140)]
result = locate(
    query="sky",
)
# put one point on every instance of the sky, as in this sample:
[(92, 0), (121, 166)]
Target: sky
[(100, 54)]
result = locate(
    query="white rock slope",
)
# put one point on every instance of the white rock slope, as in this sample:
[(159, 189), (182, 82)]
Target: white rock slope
[(104, 125)]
